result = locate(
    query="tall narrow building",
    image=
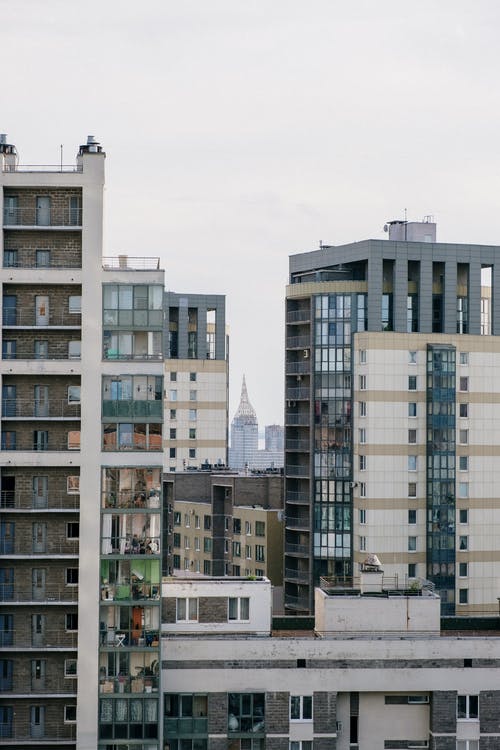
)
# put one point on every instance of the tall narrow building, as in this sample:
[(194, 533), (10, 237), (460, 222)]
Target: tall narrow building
[(392, 406), (244, 433), (80, 463)]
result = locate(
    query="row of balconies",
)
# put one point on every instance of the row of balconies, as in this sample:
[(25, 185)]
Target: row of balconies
[(19, 318), (13, 408), (10, 592), (18, 501), (14, 546), (41, 217), (50, 638), (21, 731)]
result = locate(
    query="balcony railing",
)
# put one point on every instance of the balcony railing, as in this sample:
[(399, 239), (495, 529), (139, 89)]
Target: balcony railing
[(139, 638), (301, 498), (127, 545), (52, 444), (294, 368), (54, 735), (28, 319), (184, 726), (131, 499), (65, 686), (25, 353), (298, 342), (298, 394), (49, 547), (43, 168), (50, 638), (56, 408), (296, 602), (42, 217), (297, 523), (296, 575), (132, 409), (297, 445), (296, 549), (128, 684), (298, 316), (297, 471), (30, 262), (63, 594), (297, 419), (11, 500)]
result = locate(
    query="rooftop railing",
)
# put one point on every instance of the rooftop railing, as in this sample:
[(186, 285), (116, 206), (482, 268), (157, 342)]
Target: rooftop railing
[(131, 263), (43, 168)]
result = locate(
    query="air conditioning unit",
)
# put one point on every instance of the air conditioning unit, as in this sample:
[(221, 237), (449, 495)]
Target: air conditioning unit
[(339, 727), (306, 353)]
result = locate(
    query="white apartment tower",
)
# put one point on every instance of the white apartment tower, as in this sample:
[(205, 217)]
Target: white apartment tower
[(392, 412), (81, 463)]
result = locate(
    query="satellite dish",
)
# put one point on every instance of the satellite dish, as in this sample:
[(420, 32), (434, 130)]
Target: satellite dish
[(386, 227)]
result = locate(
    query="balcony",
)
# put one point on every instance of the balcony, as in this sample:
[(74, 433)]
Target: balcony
[(298, 316), (42, 688), (17, 501), (298, 445), (297, 471), (296, 549), (130, 545), (139, 638), (297, 419), (297, 603), (129, 684), (45, 595), (21, 548), (42, 218), (131, 499), (131, 263), (57, 639), (60, 735), (132, 409), (296, 368), (298, 498), (44, 445), (297, 575), (297, 394), (29, 409), (20, 350), (298, 342), (15, 318), (294, 522), (185, 726)]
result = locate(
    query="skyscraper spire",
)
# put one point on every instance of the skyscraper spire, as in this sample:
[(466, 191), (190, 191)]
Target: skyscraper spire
[(245, 413)]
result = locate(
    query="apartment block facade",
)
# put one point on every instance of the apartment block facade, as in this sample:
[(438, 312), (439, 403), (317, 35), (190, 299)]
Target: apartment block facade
[(223, 525), (374, 673), (196, 381), (81, 464), (391, 411)]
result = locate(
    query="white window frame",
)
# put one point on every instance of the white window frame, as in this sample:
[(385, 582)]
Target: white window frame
[(67, 673), (66, 707), (186, 609), (242, 606), (301, 711), (74, 389), (75, 304), (467, 716)]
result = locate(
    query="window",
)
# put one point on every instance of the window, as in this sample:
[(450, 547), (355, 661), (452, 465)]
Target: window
[(362, 515), (172, 452), (187, 520), (412, 382), (246, 713), (70, 667), (186, 563), (412, 437), (177, 518), (177, 562), (259, 553), (197, 543), (362, 382), (173, 377), (193, 395), (412, 358), (71, 576), (301, 708), (463, 437), (259, 572), (463, 515), (467, 706), (192, 415), (362, 356), (248, 528), (42, 258), (197, 522), (464, 410), (464, 358), (236, 549), (177, 540), (74, 349), (207, 544), (173, 395), (207, 523), (362, 463), (74, 394), (412, 516), (412, 409), (260, 528), (412, 489), (300, 745), (73, 485), (464, 383), (192, 453), (9, 440), (463, 489), (412, 463), (412, 544), (362, 435), (362, 408), (467, 745), (74, 440), (362, 543), (248, 551), (239, 608), (10, 259), (187, 610), (463, 569), (192, 377), (463, 543), (192, 433), (74, 303), (73, 530), (187, 542), (236, 525), (71, 621), (70, 714), (173, 433), (362, 489), (9, 349), (412, 570), (173, 413), (463, 463)]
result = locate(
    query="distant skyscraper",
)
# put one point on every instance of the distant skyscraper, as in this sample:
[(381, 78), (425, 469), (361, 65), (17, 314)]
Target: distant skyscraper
[(275, 435), (244, 433)]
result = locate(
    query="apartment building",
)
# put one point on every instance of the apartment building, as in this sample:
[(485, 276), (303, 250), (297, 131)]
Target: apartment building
[(223, 524), (196, 381), (392, 350), (80, 478), (374, 674)]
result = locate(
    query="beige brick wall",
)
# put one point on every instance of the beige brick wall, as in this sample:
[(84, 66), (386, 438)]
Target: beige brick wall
[(65, 247)]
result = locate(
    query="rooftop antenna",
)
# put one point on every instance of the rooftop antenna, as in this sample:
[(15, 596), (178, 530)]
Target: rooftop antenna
[(61, 157), (320, 244), (406, 225)]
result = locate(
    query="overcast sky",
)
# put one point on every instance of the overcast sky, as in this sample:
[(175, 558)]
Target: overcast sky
[(238, 132)]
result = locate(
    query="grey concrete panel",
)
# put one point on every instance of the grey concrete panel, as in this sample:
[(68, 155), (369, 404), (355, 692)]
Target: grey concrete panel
[(495, 302), (375, 265), (450, 296), (425, 296), (400, 290), (475, 297)]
